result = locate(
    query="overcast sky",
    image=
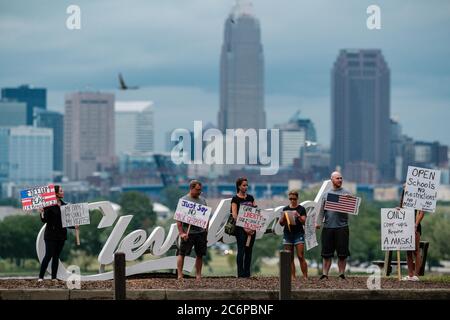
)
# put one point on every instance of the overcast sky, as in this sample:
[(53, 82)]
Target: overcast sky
[(171, 49)]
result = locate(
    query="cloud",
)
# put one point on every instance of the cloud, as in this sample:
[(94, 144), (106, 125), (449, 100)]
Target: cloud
[(175, 46)]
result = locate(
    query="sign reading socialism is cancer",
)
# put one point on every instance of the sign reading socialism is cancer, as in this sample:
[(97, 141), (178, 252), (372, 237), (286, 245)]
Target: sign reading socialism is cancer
[(76, 214), (421, 189), (192, 213), (252, 218)]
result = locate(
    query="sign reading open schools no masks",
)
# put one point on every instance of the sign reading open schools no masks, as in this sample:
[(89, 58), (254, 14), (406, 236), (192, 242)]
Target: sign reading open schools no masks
[(421, 189)]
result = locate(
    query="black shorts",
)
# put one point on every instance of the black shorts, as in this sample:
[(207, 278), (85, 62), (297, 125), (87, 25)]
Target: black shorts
[(198, 240), (335, 239)]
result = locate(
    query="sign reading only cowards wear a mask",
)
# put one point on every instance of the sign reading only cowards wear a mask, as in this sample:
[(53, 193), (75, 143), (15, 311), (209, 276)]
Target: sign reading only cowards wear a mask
[(421, 189), (192, 213), (397, 229), (76, 214)]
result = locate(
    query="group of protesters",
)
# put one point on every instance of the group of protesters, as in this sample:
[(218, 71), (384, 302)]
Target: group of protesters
[(334, 237), (335, 234)]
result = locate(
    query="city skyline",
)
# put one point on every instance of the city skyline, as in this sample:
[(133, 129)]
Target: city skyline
[(242, 71), (301, 40)]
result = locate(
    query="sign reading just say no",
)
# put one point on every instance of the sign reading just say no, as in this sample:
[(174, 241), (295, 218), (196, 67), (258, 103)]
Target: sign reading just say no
[(397, 229), (421, 189), (192, 213)]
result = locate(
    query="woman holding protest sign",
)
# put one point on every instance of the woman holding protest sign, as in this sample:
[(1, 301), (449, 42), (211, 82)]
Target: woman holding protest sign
[(293, 217), (414, 267), (54, 236), (245, 238)]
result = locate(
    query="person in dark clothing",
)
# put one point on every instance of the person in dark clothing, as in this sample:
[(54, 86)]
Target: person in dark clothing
[(294, 234), (244, 252), (54, 236)]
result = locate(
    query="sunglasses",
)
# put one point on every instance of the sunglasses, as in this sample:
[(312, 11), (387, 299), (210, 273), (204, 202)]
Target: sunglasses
[(292, 199)]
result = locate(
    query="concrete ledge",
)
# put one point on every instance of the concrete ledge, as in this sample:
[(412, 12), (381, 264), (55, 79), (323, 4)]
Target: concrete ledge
[(364, 294), (221, 294), (91, 295), (34, 294), (153, 294)]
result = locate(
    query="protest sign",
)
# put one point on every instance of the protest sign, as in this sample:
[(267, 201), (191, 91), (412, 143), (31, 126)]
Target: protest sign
[(192, 213), (38, 197), (76, 214), (252, 218), (421, 189), (397, 229)]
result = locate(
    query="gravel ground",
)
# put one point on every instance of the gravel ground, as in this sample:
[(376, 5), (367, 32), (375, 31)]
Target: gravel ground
[(255, 283)]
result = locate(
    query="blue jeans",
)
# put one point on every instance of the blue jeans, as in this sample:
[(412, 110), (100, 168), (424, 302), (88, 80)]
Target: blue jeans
[(244, 254), (293, 238)]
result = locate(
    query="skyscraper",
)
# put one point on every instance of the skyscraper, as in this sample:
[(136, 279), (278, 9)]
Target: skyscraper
[(27, 155), (33, 97), (88, 133), (242, 71), (361, 111), (12, 113), (55, 121), (134, 126)]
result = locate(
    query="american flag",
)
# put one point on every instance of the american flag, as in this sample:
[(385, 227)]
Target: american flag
[(342, 203), (38, 197)]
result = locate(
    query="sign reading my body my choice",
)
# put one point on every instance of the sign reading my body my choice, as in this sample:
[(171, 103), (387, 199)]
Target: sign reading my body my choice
[(397, 229), (421, 189), (252, 218), (192, 213), (76, 214)]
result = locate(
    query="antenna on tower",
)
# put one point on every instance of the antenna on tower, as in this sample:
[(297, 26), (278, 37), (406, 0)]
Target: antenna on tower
[(242, 7)]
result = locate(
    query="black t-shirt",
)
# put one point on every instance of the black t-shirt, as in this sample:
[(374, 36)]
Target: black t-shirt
[(247, 201), (298, 227)]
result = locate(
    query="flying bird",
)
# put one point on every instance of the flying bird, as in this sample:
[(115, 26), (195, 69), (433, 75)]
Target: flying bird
[(123, 86)]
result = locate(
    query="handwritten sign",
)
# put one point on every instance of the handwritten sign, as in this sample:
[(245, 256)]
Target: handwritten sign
[(310, 230), (397, 229), (76, 214), (192, 213), (252, 218), (38, 197), (421, 189)]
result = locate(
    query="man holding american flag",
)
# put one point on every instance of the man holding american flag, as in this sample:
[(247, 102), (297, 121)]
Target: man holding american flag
[(336, 204)]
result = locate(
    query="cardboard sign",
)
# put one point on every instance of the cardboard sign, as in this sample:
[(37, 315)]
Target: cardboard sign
[(310, 230), (75, 214), (252, 218), (290, 216), (192, 213), (398, 229), (38, 197), (421, 189)]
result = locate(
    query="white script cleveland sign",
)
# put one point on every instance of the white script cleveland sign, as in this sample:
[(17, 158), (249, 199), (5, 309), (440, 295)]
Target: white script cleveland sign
[(136, 243)]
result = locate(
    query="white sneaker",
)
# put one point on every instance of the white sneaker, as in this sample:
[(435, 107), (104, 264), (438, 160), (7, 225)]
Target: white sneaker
[(40, 280), (407, 278), (415, 278)]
